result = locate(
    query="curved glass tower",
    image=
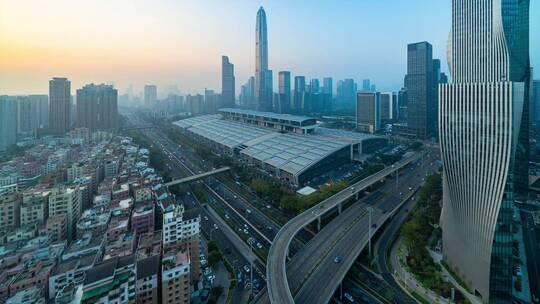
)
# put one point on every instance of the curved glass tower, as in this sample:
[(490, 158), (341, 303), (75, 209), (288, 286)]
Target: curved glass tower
[(483, 127)]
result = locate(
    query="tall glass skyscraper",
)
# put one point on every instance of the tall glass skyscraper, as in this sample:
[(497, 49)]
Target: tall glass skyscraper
[(227, 83), (263, 77), (483, 127)]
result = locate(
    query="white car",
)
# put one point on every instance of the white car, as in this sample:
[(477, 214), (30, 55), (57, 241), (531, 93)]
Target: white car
[(348, 297), (259, 245), (246, 268)]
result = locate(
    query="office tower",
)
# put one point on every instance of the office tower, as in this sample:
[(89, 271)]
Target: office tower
[(284, 92), (327, 86), (366, 85), (395, 106), (402, 102), (387, 107), (247, 98), (251, 91), (373, 88), (346, 94), (8, 122), (59, 105), (211, 102), (314, 86), (534, 111), (42, 102), (368, 115), (97, 107), (150, 95), (263, 93), (299, 90), (227, 83), (484, 144), (243, 97), (195, 104), (267, 92), (421, 101)]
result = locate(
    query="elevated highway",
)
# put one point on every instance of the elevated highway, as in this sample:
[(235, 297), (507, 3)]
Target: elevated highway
[(303, 279)]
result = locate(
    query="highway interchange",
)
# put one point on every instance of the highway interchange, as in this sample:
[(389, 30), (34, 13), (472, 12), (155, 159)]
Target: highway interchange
[(348, 238), (232, 213)]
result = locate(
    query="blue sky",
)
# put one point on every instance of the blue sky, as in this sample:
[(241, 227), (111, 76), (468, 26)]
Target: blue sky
[(180, 43)]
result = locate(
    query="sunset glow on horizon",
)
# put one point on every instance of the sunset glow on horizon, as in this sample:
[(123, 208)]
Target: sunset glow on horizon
[(181, 42)]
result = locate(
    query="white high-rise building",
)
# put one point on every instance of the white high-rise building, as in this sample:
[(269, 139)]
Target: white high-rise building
[(483, 125)]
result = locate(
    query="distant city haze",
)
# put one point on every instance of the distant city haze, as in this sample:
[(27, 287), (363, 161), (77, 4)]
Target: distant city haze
[(178, 45)]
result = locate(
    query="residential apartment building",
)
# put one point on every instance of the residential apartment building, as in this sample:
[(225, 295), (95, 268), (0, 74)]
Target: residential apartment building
[(67, 200), (175, 269)]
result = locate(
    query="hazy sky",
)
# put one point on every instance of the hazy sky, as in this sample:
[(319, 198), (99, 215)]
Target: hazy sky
[(180, 43)]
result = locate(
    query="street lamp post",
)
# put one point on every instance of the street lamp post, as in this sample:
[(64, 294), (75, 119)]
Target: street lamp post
[(397, 175), (370, 210), (251, 266), (211, 231)]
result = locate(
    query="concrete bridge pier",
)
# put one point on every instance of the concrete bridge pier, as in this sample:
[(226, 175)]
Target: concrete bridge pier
[(339, 208), (318, 224)]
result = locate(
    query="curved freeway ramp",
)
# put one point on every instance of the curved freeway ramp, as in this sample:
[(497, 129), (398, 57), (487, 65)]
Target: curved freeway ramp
[(277, 283)]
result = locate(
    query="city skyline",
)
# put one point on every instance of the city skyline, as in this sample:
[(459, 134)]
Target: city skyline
[(169, 46)]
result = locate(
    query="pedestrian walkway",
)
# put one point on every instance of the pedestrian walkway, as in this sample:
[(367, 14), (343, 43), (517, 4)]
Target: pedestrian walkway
[(403, 276), (437, 258)]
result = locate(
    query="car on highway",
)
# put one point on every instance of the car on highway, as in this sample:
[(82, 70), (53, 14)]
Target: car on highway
[(251, 240), (246, 268), (337, 259), (348, 297), (239, 277), (259, 245), (216, 226), (248, 211), (227, 216), (245, 231), (256, 284)]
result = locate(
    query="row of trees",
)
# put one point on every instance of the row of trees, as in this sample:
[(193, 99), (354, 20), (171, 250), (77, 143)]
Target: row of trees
[(416, 234)]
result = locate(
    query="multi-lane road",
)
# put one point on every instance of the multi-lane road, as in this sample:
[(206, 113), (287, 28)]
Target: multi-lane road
[(278, 286), (531, 239), (328, 274), (232, 213)]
